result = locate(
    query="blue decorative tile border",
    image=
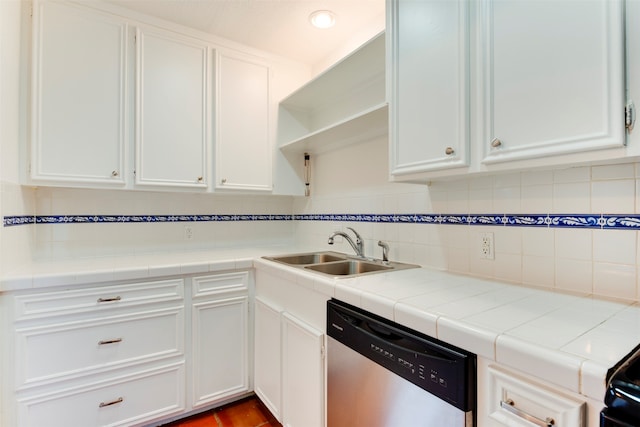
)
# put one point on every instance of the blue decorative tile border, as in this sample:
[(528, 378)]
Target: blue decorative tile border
[(523, 220), (627, 222), (84, 219)]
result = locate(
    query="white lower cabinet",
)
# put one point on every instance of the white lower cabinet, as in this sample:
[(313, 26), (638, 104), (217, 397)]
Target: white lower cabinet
[(124, 401), (268, 351), (220, 337), (514, 399), (105, 355), (118, 354), (289, 368), (302, 373)]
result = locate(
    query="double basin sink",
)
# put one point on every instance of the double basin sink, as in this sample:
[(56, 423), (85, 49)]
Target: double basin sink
[(336, 264)]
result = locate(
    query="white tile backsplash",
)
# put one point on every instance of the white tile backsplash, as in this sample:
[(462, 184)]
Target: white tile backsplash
[(614, 246), (591, 261), (573, 197), (611, 197), (566, 259)]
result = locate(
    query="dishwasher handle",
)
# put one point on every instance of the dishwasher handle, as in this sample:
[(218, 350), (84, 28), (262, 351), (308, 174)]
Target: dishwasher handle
[(399, 341)]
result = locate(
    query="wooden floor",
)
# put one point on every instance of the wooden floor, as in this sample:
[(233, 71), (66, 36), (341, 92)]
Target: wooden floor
[(249, 412)]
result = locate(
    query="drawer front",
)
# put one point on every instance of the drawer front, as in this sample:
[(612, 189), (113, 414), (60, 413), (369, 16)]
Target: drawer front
[(516, 401), (129, 400), (34, 306), (220, 284), (70, 350)]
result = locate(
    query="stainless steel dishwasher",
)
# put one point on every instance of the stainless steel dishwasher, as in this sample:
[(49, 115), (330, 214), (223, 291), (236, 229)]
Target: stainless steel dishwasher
[(381, 374)]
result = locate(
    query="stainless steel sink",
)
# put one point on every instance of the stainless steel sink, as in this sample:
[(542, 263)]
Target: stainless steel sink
[(348, 268), (338, 265), (310, 258)]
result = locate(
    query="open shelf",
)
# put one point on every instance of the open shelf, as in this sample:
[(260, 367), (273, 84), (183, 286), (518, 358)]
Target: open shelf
[(344, 105)]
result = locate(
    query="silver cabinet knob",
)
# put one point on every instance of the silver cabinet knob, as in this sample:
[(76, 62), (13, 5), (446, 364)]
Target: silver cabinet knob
[(223, 181), (449, 151), (200, 179), (114, 173), (495, 143)]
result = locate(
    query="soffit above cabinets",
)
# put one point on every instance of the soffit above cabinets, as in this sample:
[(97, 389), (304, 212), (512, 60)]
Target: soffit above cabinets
[(278, 26)]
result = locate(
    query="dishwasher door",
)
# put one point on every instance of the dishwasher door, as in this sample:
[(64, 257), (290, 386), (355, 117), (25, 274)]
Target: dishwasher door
[(362, 393), (382, 376)]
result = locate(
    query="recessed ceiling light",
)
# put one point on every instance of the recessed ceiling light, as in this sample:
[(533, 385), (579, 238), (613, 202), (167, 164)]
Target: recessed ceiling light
[(322, 19)]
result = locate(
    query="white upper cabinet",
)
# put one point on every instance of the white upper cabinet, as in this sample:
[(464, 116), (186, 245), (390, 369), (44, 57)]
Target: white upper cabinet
[(120, 99), (171, 107), (428, 85), (497, 85), (552, 77), (243, 147), (78, 95)]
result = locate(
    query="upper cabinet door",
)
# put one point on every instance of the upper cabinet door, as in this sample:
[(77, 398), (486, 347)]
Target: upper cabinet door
[(78, 95), (551, 77), (171, 107), (243, 143), (428, 85)]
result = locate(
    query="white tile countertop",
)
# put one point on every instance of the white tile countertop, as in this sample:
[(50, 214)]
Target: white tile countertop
[(567, 340), (70, 272)]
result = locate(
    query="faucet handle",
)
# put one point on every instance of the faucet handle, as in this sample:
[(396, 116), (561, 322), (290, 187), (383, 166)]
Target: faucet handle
[(358, 237)]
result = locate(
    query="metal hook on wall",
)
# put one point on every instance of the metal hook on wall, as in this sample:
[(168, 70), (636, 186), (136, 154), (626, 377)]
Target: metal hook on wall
[(307, 174)]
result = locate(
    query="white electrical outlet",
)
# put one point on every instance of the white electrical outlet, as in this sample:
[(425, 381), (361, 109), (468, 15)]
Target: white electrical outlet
[(188, 232), (486, 246)]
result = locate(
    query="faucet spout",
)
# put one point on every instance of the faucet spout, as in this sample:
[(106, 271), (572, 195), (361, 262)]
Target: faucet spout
[(358, 245)]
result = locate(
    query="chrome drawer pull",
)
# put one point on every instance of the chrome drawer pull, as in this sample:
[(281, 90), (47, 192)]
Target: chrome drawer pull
[(113, 402), (113, 341), (509, 405), (109, 299)]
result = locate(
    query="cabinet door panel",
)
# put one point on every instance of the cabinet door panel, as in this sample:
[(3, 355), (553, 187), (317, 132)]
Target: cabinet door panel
[(220, 349), (171, 110), (267, 349), (303, 374), (79, 83), (553, 77), (428, 81), (243, 149)]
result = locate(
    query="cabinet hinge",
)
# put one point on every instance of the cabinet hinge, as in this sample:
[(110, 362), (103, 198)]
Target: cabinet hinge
[(629, 115), (322, 352)]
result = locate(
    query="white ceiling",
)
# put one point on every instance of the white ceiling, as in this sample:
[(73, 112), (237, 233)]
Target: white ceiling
[(278, 26)]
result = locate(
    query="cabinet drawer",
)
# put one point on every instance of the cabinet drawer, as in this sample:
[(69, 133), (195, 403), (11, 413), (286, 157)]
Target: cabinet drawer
[(73, 349), (518, 402), (220, 283), (39, 305), (126, 400)]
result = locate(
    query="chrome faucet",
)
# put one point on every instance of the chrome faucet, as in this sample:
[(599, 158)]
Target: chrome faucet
[(358, 246)]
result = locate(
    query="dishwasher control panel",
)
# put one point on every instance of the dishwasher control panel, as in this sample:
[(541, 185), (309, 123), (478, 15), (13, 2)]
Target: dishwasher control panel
[(444, 370)]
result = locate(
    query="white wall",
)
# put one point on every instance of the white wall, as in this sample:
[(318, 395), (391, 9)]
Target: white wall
[(603, 262), (59, 241), (15, 243)]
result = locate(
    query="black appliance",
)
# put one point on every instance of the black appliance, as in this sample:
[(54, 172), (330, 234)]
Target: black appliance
[(623, 394)]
